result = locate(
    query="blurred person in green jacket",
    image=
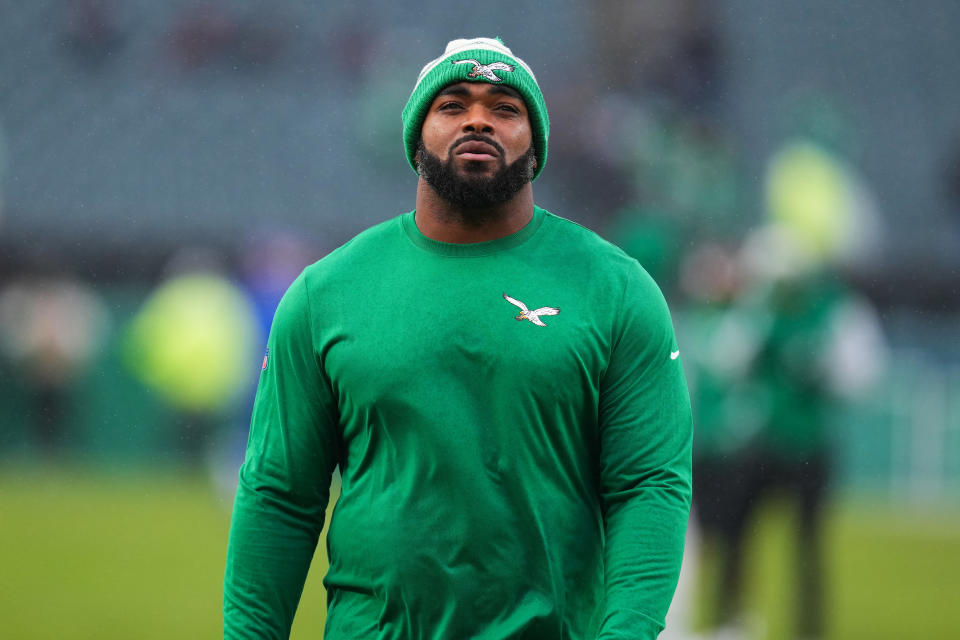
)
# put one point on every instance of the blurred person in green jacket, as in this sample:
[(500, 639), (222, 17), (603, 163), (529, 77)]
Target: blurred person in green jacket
[(799, 342)]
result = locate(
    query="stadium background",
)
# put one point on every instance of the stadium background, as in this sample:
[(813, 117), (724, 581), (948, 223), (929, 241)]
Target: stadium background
[(141, 140)]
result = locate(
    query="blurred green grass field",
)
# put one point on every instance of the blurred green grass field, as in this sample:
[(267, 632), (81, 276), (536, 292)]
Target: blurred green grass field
[(94, 554)]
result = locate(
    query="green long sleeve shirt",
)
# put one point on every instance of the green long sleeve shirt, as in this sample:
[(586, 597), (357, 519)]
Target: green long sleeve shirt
[(513, 432)]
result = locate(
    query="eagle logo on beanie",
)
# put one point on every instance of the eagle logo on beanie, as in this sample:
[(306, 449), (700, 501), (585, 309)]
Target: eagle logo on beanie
[(485, 71)]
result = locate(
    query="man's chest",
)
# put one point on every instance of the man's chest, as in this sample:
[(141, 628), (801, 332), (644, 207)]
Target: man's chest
[(471, 336)]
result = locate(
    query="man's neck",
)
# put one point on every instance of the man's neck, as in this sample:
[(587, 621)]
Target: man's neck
[(440, 220)]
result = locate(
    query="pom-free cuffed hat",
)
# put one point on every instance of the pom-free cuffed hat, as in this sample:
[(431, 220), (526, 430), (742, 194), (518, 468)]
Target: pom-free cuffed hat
[(476, 60)]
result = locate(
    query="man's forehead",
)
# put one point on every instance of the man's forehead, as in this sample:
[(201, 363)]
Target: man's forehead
[(464, 89)]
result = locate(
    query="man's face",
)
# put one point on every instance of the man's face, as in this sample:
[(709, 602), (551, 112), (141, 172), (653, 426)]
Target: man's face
[(475, 148)]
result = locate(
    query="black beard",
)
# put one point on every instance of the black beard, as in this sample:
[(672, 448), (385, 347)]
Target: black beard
[(475, 194)]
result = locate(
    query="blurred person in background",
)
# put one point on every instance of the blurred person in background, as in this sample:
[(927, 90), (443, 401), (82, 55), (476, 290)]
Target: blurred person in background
[(192, 342), (778, 346), (500, 388), (51, 328), (271, 261), (779, 342), (722, 338), (821, 345)]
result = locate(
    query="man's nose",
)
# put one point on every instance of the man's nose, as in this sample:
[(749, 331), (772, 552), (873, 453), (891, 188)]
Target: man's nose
[(477, 120)]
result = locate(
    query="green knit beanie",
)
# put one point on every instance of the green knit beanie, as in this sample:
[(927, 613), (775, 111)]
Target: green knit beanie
[(476, 60)]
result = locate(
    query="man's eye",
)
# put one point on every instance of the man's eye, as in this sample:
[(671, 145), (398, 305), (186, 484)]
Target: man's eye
[(508, 107), (449, 105)]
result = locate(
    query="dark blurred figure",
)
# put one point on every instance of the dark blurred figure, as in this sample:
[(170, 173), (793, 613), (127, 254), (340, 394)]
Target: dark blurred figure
[(721, 339), (51, 327)]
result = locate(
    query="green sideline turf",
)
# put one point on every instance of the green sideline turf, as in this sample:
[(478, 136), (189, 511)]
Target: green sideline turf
[(118, 555), (87, 554)]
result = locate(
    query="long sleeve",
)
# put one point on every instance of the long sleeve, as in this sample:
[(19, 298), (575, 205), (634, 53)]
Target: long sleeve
[(645, 441), (284, 481)]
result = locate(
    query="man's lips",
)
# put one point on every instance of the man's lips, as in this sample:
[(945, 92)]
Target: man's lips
[(476, 150)]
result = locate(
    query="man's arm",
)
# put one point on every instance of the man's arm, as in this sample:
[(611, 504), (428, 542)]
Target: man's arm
[(284, 482), (645, 440)]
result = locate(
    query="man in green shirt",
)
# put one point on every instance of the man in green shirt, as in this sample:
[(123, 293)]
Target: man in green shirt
[(501, 390)]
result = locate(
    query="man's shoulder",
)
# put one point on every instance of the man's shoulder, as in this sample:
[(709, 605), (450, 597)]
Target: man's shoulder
[(606, 268), (576, 240)]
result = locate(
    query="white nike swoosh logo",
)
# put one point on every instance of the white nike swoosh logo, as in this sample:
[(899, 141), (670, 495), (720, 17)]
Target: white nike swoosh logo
[(674, 355)]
